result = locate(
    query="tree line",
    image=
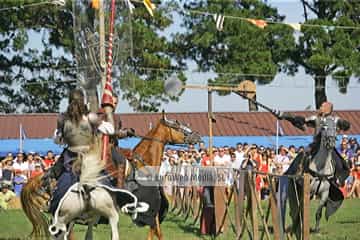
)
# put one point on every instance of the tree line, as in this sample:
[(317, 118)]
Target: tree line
[(37, 74)]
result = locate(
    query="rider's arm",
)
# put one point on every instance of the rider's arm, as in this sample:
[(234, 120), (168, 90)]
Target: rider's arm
[(296, 121)]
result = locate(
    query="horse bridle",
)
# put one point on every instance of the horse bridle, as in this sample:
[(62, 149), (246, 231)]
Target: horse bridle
[(170, 124)]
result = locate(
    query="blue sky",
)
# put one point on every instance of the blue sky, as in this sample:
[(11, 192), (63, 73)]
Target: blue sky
[(284, 93)]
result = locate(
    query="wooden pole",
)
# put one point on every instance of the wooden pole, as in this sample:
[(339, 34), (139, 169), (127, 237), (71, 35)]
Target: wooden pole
[(102, 44), (274, 209), (254, 219), (210, 118), (306, 208)]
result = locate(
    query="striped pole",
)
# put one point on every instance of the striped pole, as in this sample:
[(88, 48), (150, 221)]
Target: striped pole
[(107, 97)]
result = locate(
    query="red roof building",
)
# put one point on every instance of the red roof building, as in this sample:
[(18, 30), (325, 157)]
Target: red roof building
[(227, 123)]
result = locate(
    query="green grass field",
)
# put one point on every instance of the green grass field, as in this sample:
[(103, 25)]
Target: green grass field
[(344, 225)]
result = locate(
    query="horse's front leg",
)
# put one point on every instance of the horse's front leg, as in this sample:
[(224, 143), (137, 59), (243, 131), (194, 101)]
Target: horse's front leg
[(89, 231), (114, 220), (157, 228), (151, 232), (318, 215), (70, 233)]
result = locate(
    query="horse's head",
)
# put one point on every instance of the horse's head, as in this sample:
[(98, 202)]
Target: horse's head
[(179, 133)]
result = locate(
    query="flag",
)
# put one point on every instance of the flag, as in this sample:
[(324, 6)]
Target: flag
[(22, 132), (295, 26), (95, 4), (130, 6), (59, 2), (281, 130), (219, 20), (149, 6), (258, 22), (22, 137)]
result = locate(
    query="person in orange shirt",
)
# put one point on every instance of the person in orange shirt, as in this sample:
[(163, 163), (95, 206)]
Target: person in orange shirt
[(49, 160), (37, 171), (356, 175)]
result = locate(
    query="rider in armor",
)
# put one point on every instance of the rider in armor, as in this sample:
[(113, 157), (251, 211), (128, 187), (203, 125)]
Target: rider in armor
[(326, 127), (77, 129)]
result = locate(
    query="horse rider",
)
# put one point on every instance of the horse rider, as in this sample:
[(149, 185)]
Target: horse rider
[(326, 126), (119, 160), (77, 129)]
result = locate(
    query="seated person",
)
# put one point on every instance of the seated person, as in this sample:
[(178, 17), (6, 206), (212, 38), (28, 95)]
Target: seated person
[(6, 195)]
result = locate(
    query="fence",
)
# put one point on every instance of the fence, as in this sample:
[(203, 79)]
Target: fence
[(238, 204)]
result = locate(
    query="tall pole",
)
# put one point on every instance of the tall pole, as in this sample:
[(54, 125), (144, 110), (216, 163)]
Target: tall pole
[(210, 119), (107, 97), (20, 139), (102, 43), (277, 137)]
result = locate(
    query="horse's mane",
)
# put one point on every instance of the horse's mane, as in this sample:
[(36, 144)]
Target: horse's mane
[(91, 166), (149, 134)]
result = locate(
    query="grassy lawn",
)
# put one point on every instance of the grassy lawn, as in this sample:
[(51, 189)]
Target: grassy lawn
[(344, 225)]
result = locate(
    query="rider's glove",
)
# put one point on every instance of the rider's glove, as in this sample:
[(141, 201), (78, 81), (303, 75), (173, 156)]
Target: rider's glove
[(130, 132), (106, 128)]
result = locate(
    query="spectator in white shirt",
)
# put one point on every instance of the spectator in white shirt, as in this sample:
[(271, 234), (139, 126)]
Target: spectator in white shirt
[(282, 160), (21, 165), (222, 159)]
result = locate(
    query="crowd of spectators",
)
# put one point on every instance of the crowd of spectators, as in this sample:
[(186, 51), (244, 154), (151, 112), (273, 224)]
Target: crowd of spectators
[(246, 156), (16, 170)]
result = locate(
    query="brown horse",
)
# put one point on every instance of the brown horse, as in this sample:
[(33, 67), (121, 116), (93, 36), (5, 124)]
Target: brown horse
[(147, 153)]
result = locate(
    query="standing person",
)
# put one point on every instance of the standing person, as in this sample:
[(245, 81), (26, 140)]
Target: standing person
[(249, 162), (282, 160), (118, 158), (49, 160), (7, 169), (37, 170), (18, 182), (355, 189), (21, 165), (354, 145)]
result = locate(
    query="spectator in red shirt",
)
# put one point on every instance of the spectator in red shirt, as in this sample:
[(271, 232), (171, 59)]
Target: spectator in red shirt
[(356, 175), (49, 160), (37, 171)]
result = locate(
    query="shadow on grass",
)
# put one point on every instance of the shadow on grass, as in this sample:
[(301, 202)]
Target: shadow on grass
[(187, 226)]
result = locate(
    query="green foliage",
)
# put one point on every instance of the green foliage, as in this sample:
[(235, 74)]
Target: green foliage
[(29, 70), (330, 51), (32, 75), (241, 48), (140, 83)]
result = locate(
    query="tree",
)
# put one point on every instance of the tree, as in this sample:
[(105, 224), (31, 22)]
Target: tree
[(31, 75), (241, 51), (330, 51), (37, 78), (146, 57)]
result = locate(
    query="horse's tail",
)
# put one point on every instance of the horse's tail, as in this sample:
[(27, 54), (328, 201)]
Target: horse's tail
[(32, 203)]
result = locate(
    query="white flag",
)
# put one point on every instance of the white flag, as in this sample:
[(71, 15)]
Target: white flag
[(59, 2), (219, 19), (130, 6)]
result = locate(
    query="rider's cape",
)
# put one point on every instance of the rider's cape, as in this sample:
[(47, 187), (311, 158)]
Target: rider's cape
[(152, 195)]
